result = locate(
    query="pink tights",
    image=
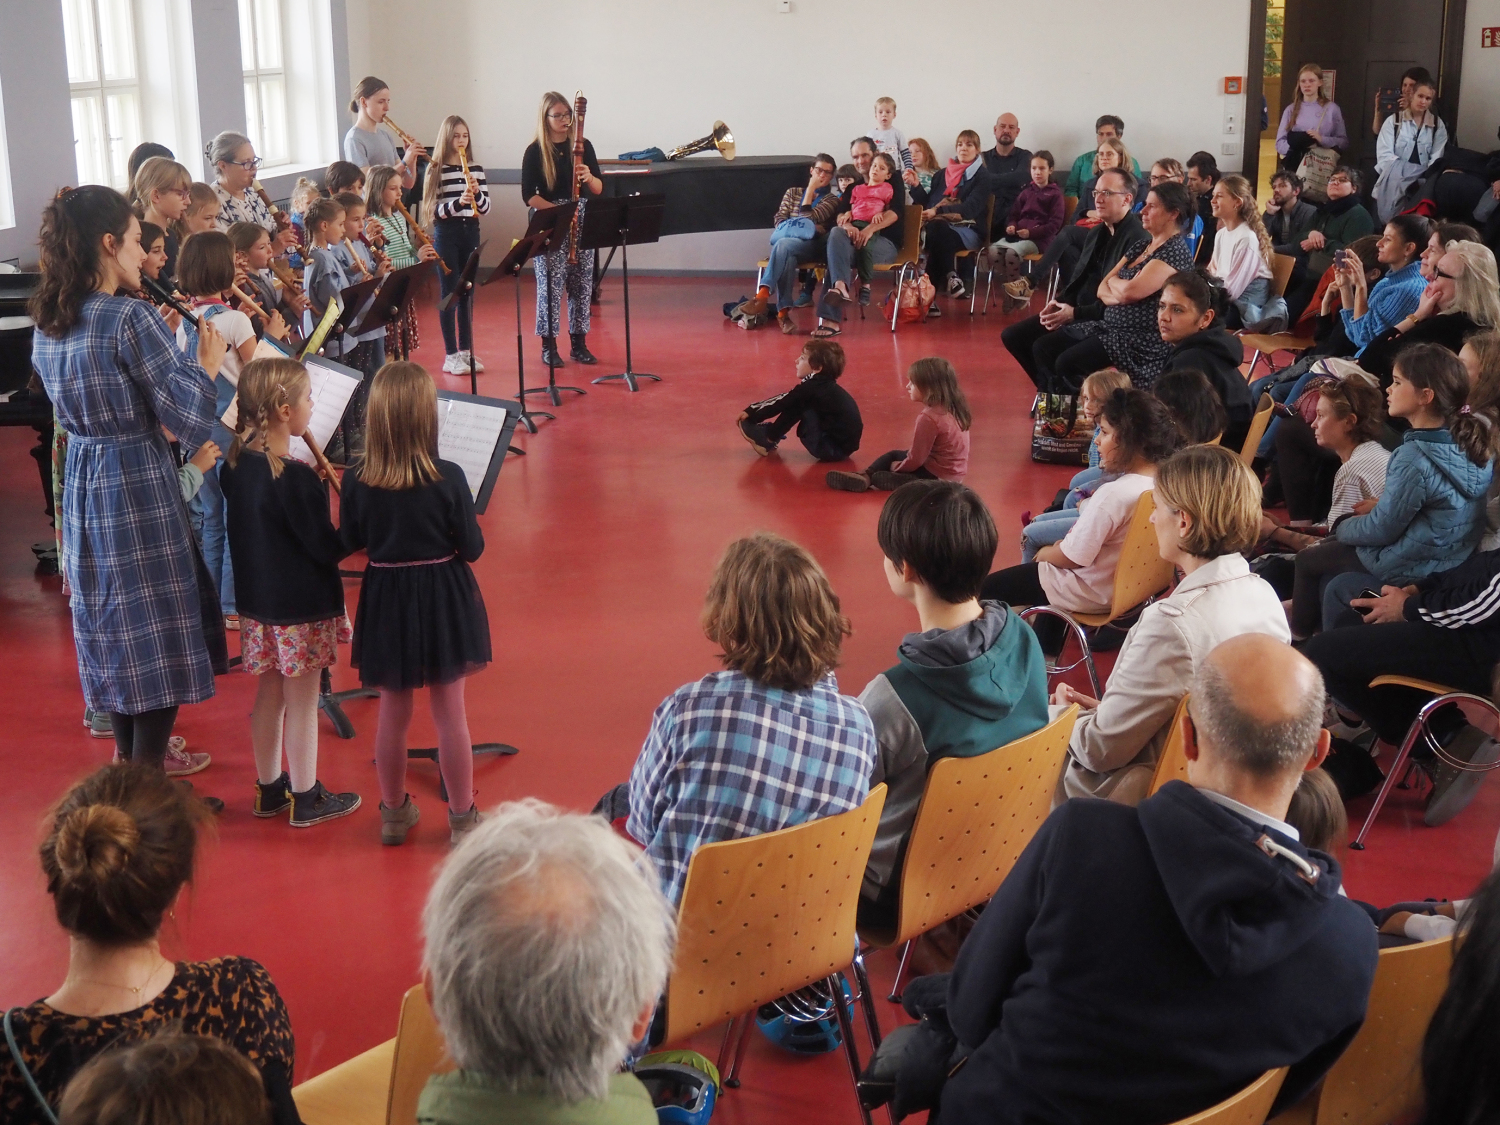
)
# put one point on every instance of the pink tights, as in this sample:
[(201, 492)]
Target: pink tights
[(455, 750)]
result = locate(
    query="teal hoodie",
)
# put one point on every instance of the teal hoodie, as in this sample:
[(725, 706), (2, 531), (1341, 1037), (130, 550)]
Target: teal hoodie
[(954, 693)]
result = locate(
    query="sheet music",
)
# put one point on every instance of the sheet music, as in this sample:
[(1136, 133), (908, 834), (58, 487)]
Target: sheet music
[(331, 391), (467, 434)]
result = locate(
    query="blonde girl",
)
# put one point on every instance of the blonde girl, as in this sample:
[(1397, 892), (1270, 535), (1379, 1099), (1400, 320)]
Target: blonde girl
[(548, 172), (201, 214), (939, 447), (452, 204), (1242, 256), (161, 193), (291, 596), (421, 619)]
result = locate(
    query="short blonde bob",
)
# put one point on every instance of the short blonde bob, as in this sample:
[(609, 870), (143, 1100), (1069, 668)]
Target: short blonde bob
[(771, 609), (1219, 492)]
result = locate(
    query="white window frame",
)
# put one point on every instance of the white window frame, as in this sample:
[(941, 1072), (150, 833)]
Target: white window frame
[(311, 125), (259, 76), (110, 151), (7, 197)]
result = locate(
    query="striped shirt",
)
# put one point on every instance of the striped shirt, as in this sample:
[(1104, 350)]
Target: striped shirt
[(451, 189), (1362, 477), (399, 247), (727, 757), (1394, 296)]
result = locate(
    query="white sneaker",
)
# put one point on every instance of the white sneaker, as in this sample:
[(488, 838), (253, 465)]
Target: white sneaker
[(478, 366), (455, 364)]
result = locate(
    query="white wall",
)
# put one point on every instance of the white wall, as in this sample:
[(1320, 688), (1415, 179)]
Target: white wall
[(1479, 96), (659, 73)]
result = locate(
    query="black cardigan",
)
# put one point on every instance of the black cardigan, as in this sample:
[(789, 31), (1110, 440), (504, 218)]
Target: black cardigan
[(285, 547), (430, 521), (534, 183), (973, 195)]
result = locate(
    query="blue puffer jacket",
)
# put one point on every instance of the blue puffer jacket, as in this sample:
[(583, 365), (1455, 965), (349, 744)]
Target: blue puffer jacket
[(1430, 516)]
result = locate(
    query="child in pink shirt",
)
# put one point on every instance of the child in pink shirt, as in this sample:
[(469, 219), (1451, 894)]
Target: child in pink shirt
[(868, 200), (939, 447)]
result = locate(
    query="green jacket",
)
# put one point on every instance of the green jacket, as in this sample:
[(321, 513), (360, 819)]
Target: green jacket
[(466, 1097), (1338, 232), (1083, 172)]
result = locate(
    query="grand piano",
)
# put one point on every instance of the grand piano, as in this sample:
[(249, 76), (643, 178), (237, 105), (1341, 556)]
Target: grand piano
[(708, 193)]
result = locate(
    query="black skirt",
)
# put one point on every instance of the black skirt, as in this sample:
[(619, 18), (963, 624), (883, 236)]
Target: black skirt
[(420, 625)]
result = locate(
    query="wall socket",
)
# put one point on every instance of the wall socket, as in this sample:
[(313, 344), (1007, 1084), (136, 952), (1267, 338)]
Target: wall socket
[(1231, 124), (784, 7), (1229, 148)]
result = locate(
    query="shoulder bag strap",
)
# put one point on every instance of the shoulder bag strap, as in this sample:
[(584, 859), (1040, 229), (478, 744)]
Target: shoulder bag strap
[(15, 1053)]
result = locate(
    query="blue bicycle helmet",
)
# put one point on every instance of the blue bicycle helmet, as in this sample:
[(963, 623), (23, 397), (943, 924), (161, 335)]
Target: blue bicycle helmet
[(805, 1021), (683, 1086)]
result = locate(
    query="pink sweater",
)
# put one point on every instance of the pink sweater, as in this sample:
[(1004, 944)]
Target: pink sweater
[(869, 200), (937, 445)]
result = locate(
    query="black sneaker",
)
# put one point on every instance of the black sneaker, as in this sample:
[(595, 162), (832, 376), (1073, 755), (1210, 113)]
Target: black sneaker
[(318, 804), (848, 482), (889, 482), (760, 441), (273, 799), (933, 312)]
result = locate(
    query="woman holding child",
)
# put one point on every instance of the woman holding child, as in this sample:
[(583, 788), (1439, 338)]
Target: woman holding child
[(954, 210)]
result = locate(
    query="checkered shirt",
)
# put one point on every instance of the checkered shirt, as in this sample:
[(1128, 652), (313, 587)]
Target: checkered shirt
[(728, 757)]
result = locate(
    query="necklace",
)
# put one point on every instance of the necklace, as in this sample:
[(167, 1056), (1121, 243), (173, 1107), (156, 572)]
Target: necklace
[(135, 990)]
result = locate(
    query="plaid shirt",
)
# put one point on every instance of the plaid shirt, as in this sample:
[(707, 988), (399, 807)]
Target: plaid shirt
[(728, 757)]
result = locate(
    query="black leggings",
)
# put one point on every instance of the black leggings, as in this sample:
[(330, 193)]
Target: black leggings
[(1306, 469), (1315, 566), (142, 739), (883, 463), (1021, 586), (1057, 362), (943, 246)]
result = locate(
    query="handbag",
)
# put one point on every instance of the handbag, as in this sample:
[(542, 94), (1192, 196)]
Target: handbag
[(798, 226), (914, 299), (1317, 166), (913, 1063), (1060, 435)]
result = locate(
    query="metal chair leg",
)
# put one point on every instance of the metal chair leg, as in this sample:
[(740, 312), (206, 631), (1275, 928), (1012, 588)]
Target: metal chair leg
[(846, 1032), (724, 1047), (896, 293), (895, 996), (1392, 775), (867, 1001), (1254, 359), (733, 1080), (989, 284), (1083, 642)]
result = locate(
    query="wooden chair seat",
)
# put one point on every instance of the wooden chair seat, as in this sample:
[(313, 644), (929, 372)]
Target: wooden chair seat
[(1281, 342), (1248, 1107), (1412, 682), (356, 1092)]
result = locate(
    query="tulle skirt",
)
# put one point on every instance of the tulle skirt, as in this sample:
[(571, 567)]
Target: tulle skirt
[(419, 625)]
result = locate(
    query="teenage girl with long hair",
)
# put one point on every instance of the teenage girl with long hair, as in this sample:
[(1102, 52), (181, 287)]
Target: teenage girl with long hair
[(290, 594), (145, 642), (939, 447), (421, 620), (1242, 256), (546, 182), (160, 193), (451, 206)]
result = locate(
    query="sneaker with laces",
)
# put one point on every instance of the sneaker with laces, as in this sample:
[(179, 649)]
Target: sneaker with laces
[(273, 799), (455, 365), (1019, 290), (396, 823), (471, 357), (889, 482), (866, 294), (179, 762), (848, 482), (955, 285), (461, 824), (317, 805), (99, 724)]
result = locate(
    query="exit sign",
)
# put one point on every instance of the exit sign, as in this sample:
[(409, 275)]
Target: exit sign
[(1489, 36)]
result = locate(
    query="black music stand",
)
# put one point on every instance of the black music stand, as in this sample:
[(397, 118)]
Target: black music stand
[(622, 221), (464, 291), (390, 298), (545, 227)]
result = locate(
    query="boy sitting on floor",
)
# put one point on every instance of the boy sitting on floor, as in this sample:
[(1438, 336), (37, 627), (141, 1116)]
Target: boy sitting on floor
[(826, 416), (972, 680)]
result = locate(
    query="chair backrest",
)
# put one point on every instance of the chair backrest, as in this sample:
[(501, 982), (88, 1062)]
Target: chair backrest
[(1281, 272), (1379, 1077), (1141, 572), (1258, 426), (976, 816), (420, 1053), (1172, 765), (911, 246), (1248, 1107), (766, 915), (1070, 205)]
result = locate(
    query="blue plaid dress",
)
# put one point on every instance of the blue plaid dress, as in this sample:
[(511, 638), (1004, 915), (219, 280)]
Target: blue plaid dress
[(727, 757), (115, 379)]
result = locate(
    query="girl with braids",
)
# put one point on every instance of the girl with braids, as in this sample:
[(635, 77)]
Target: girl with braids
[(146, 620), (547, 174), (1242, 256), (291, 599)]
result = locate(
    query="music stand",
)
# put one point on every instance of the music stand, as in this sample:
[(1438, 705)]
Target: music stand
[(389, 299), (559, 232), (622, 221), (544, 227), (465, 289)]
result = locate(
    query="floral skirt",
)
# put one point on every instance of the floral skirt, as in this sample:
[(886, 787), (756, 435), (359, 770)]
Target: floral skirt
[(292, 650)]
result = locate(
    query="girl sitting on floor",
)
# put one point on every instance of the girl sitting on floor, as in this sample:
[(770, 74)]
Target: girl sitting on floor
[(939, 443)]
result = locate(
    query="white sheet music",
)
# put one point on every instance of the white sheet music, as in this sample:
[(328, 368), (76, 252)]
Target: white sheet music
[(331, 391), (467, 434)]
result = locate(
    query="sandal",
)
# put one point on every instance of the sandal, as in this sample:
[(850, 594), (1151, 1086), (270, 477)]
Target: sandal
[(837, 292), (824, 332)]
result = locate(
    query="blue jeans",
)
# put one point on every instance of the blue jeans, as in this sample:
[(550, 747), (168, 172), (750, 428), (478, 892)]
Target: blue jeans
[(1280, 392), (841, 265), (1086, 477), (1048, 527), (216, 538), (455, 240), (780, 274), (1337, 594), (1256, 302)]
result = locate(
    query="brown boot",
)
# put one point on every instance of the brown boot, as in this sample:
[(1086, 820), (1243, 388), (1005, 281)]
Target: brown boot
[(395, 823), (461, 824)]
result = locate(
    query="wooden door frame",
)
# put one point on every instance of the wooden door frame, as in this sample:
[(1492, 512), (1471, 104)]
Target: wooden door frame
[(1255, 70), (1451, 62)]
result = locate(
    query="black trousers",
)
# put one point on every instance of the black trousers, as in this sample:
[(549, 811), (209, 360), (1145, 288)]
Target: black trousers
[(943, 244), (1315, 566), (1064, 251), (1350, 658), (811, 433), (883, 463), (142, 739), (1306, 470), (1057, 361), (1020, 586)]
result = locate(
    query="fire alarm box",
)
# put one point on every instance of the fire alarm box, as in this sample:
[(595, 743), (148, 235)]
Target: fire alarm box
[(1234, 85)]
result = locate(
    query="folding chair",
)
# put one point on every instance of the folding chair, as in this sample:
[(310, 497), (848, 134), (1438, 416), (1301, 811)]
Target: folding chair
[(1258, 424), (982, 252), (905, 263)]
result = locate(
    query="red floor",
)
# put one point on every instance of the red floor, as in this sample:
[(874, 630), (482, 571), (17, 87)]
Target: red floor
[(601, 542)]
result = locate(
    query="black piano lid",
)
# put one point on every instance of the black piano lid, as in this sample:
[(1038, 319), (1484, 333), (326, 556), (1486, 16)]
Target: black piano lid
[(15, 290)]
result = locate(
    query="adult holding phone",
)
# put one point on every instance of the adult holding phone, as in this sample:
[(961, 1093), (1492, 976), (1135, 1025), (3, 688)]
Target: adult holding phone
[(146, 622)]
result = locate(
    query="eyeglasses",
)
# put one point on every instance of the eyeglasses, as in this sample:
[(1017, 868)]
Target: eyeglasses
[(249, 165), (1450, 276), (1106, 194), (185, 192), (568, 116), (1345, 180), (820, 170)]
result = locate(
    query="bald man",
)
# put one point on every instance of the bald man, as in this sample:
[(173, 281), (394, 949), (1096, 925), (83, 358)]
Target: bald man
[(1139, 965), (1009, 167)]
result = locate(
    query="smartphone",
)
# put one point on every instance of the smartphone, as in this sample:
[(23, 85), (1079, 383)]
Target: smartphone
[(1389, 100), (1340, 257), (1369, 593)]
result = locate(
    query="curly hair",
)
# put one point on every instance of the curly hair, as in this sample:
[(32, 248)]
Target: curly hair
[(1249, 211), (73, 226), (1142, 425)]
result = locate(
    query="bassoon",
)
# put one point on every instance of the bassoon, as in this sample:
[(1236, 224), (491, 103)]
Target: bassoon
[(580, 107)]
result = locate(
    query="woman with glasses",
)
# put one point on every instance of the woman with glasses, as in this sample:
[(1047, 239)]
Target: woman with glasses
[(234, 161), (1462, 298), (1339, 222), (545, 182)]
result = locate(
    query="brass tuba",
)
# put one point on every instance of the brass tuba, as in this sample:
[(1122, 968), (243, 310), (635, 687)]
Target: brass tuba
[(721, 138)]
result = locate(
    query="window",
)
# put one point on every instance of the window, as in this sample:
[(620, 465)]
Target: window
[(103, 75), (7, 209), (262, 58)]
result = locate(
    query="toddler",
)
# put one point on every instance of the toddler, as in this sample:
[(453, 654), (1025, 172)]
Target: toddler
[(888, 139)]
